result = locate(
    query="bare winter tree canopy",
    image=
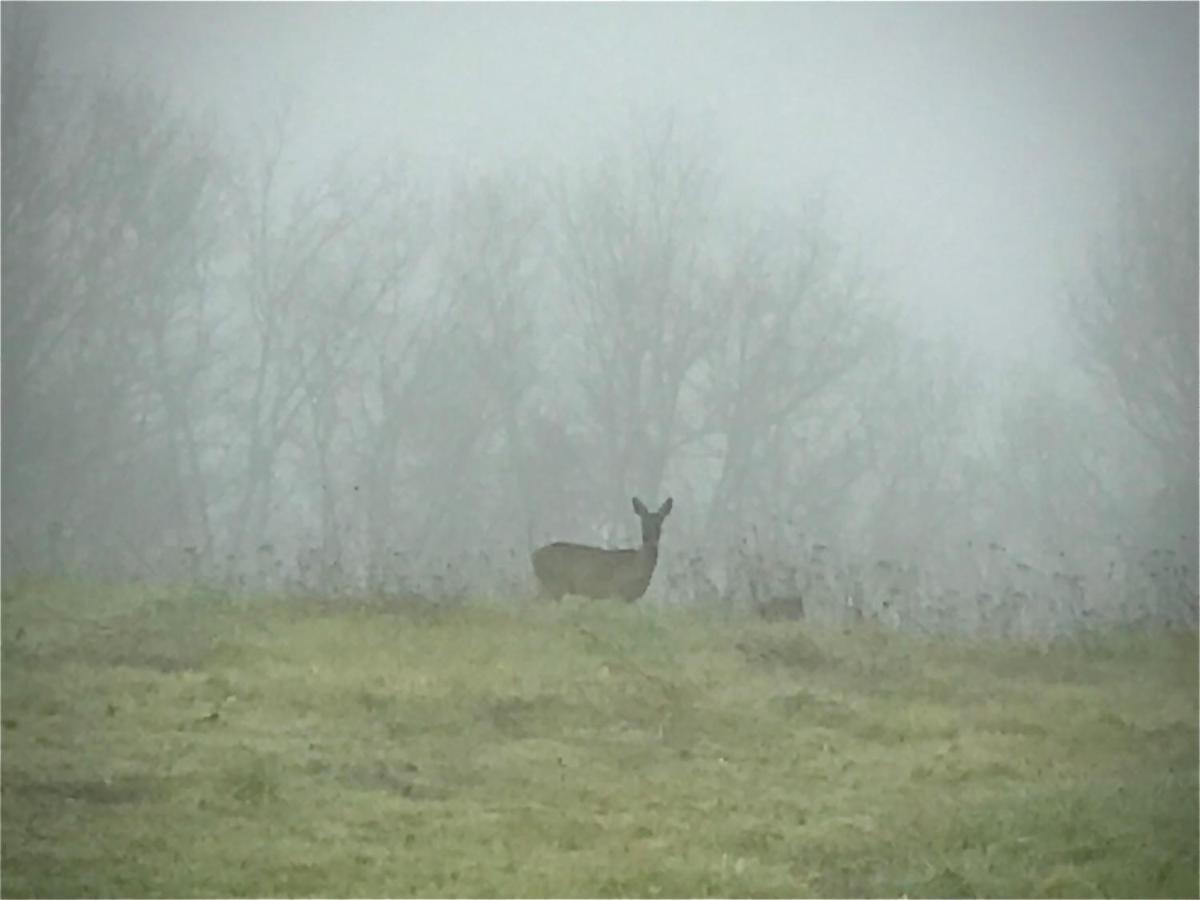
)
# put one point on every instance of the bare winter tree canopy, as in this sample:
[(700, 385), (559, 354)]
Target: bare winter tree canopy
[(897, 303), (1135, 313)]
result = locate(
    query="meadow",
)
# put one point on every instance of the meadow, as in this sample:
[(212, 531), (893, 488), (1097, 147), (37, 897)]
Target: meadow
[(177, 742)]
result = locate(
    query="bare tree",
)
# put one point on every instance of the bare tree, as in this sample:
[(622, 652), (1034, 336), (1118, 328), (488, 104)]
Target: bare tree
[(1135, 320), (799, 318), (492, 270), (1065, 473), (362, 293), (321, 264), (446, 425), (920, 436), (634, 234), (111, 208)]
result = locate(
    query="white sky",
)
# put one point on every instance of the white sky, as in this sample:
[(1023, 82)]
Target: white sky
[(973, 146)]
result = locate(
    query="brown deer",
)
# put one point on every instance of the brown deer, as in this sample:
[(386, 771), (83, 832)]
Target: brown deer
[(594, 572)]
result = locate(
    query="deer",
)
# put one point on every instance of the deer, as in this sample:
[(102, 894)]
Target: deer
[(594, 572)]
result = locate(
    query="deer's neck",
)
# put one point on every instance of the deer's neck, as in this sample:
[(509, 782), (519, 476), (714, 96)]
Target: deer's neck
[(649, 554)]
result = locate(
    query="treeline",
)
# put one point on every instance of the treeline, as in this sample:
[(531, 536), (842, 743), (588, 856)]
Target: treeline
[(368, 380)]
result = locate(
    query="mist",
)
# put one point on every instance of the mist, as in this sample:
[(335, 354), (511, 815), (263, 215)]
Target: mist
[(898, 302)]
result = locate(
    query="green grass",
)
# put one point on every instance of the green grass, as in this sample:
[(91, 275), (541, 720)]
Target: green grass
[(171, 743)]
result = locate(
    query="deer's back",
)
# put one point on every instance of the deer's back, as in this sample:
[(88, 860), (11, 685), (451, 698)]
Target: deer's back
[(565, 568)]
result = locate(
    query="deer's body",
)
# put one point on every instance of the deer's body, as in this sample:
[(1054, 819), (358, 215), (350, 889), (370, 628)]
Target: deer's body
[(594, 572)]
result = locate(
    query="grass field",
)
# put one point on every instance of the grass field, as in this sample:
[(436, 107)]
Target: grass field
[(191, 744)]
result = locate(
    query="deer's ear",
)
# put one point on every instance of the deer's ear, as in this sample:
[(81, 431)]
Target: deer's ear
[(639, 507), (666, 507)]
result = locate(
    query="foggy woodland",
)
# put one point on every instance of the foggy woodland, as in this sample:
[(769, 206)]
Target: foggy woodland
[(376, 375)]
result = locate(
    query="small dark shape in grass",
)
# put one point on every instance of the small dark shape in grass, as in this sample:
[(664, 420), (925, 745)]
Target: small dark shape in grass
[(948, 883), (789, 651), (779, 609), (255, 784), (812, 709), (399, 778)]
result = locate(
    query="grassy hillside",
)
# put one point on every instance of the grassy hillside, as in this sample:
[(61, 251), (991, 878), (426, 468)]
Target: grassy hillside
[(184, 744)]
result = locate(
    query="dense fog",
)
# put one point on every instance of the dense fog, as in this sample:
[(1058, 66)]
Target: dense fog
[(898, 302)]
